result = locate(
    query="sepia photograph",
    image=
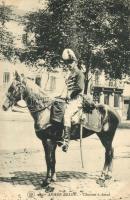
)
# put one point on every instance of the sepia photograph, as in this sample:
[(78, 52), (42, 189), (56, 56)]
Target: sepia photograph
[(64, 99)]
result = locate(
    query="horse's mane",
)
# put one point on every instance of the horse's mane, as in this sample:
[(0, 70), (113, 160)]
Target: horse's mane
[(34, 90)]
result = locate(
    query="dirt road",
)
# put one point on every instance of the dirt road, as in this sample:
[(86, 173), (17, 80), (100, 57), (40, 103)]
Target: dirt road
[(22, 167)]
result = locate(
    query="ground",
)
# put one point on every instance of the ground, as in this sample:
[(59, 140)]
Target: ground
[(22, 165)]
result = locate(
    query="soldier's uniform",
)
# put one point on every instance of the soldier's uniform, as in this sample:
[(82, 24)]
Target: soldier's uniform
[(75, 86)]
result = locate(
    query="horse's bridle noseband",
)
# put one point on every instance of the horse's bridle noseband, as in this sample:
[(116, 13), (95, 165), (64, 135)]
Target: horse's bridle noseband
[(20, 88)]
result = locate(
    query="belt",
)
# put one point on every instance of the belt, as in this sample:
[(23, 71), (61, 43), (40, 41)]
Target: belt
[(59, 99), (76, 97)]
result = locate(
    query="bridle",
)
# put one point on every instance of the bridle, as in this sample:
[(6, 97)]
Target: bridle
[(22, 88), (18, 88)]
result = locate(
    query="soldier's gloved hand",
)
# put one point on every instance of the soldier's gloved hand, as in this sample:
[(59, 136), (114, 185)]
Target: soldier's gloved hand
[(68, 99)]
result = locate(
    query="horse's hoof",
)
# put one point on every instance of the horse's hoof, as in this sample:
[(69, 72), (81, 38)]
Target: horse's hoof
[(49, 189), (108, 177), (53, 179), (45, 183), (101, 182)]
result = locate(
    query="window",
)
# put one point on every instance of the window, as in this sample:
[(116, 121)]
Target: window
[(96, 97), (52, 82), (97, 78), (111, 83), (106, 99), (38, 80), (116, 100), (6, 77)]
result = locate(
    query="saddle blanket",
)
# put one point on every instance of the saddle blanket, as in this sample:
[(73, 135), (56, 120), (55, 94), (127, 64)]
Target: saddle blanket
[(53, 113), (91, 121), (42, 120)]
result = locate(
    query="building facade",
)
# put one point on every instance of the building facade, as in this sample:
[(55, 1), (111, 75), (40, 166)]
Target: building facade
[(53, 83), (126, 95), (6, 74), (107, 91), (103, 90)]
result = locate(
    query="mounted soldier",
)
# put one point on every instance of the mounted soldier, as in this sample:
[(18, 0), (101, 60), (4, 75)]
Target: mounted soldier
[(75, 86), (49, 135)]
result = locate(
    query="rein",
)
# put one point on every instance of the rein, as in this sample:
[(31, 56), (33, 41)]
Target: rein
[(55, 99), (22, 87), (39, 110)]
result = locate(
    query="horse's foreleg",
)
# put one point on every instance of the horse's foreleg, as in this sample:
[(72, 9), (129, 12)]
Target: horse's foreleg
[(48, 174), (53, 162), (50, 147)]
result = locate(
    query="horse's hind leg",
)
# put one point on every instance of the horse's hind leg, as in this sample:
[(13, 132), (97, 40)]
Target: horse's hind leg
[(50, 147), (107, 169), (106, 139)]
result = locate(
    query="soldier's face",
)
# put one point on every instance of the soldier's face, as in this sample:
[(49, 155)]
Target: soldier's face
[(72, 66)]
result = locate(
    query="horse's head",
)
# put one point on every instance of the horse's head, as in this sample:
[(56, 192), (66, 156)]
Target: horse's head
[(14, 92)]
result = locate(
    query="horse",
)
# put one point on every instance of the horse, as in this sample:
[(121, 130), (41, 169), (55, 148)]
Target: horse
[(24, 88)]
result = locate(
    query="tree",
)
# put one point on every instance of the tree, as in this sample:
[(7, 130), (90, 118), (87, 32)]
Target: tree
[(6, 37), (96, 30)]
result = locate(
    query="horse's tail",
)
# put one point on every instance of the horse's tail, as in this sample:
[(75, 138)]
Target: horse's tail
[(109, 115), (115, 116)]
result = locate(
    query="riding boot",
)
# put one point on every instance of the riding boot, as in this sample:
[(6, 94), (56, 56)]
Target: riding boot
[(66, 138)]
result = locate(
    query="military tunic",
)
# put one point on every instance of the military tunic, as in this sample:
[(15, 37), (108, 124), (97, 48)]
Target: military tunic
[(75, 86)]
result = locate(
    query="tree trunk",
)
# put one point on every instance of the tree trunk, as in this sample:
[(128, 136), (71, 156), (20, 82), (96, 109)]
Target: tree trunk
[(86, 81), (86, 86)]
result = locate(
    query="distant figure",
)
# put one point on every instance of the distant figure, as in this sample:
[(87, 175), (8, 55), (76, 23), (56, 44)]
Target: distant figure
[(128, 112)]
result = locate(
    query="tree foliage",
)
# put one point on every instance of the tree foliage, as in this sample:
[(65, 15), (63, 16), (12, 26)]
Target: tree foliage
[(6, 37), (5, 13), (97, 31)]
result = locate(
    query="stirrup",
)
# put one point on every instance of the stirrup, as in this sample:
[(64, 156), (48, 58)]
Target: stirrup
[(63, 144), (60, 143), (65, 147)]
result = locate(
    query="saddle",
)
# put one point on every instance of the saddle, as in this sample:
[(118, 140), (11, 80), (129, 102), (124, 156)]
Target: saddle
[(50, 115), (91, 116), (58, 110)]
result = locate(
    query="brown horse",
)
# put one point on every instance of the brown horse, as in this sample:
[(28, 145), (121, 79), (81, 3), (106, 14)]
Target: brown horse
[(37, 101)]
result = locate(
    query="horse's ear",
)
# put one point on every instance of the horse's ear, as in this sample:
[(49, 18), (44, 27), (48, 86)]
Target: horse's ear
[(17, 76)]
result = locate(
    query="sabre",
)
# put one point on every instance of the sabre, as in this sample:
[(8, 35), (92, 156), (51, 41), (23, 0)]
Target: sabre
[(81, 137)]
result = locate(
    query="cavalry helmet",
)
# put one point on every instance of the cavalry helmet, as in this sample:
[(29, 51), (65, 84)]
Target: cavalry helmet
[(68, 55)]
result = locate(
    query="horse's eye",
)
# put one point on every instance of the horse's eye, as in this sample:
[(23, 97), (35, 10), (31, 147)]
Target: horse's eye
[(17, 84), (8, 94)]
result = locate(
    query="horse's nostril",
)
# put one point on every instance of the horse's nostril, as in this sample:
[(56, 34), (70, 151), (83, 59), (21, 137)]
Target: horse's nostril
[(4, 108)]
